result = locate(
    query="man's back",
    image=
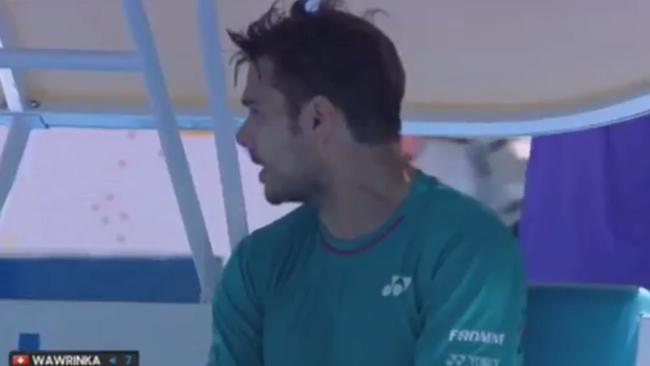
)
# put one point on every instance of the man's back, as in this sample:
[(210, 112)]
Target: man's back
[(439, 283)]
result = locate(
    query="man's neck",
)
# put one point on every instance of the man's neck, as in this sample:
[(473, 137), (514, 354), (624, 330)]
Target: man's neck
[(360, 198)]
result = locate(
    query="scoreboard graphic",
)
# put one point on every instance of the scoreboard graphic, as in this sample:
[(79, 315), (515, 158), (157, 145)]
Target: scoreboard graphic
[(80, 358)]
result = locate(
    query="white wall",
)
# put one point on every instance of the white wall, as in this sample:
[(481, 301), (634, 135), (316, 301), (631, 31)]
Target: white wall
[(107, 192)]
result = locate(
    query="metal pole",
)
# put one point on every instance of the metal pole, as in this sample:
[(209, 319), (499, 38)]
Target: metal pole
[(13, 84), (69, 60), (223, 123), (13, 87), (120, 117), (12, 155), (172, 146)]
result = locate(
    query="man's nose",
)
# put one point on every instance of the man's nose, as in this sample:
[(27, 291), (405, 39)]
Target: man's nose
[(243, 136)]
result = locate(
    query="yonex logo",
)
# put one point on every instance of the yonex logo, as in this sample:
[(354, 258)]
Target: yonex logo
[(469, 360), (455, 360), (397, 286)]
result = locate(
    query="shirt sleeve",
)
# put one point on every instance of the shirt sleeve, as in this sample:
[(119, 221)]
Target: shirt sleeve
[(236, 316), (473, 303)]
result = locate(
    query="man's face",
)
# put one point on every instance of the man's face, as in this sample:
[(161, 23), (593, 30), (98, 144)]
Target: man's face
[(275, 142)]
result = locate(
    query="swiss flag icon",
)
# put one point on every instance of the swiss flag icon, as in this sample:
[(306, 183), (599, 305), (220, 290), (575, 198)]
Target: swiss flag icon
[(20, 360)]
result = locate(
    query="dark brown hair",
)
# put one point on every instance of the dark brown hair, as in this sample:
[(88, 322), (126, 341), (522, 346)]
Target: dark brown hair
[(333, 53)]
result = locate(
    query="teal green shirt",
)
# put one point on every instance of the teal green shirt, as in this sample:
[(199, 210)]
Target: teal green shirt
[(439, 283)]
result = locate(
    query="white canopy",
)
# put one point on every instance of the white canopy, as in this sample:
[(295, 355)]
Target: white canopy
[(466, 61)]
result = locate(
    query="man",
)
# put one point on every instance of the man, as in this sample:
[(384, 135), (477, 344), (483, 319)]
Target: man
[(381, 265)]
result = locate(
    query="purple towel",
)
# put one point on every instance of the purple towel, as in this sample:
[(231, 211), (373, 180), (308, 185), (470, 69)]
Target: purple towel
[(586, 214)]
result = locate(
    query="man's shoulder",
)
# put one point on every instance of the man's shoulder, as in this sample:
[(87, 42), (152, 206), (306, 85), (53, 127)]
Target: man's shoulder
[(450, 215), (261, 254), (464, 233), (451, 206)]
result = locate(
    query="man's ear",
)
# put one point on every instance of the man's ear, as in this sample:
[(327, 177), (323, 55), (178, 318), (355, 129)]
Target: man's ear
[(320, 116)]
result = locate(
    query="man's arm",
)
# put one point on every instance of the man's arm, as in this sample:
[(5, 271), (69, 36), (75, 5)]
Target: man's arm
[(236, 316), (473, 302)]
